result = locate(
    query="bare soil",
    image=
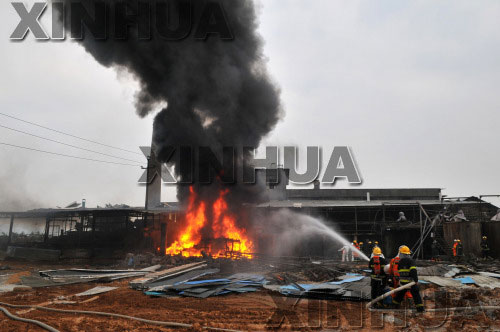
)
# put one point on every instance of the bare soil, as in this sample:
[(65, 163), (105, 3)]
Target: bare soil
[(259, 311)]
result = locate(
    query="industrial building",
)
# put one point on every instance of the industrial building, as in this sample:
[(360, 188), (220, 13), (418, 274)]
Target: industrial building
[(391, 216)]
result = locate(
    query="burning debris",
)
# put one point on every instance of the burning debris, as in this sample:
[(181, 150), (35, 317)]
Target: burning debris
[(217, 236)]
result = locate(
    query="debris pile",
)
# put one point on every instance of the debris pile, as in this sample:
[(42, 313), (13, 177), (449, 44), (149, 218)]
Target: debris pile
[(236, 283), (352, 288)]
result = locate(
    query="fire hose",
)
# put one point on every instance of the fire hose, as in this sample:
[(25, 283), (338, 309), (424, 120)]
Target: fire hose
[(99, 313), (383, 296), (26, 320)]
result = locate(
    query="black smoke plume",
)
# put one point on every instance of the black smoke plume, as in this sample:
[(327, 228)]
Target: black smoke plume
[(217, 90)]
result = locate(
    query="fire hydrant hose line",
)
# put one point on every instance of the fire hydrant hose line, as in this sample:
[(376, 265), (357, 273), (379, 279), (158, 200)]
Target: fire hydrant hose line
[(98, 313), (26, 320), (383, 296), (485, 307)]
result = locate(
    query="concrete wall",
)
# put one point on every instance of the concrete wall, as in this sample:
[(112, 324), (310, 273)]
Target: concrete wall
[(468, 232)]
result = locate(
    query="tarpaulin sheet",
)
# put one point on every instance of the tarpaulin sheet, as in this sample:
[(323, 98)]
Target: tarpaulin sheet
[(466, 280)]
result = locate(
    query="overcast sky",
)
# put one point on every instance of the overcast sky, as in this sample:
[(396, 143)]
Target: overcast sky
[(411, 86)]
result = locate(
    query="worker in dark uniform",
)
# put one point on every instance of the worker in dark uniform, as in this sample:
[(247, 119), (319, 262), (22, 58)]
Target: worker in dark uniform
[(460, 250), (378, 277), (368, 248), (435, 250), (485, 249), (407, 273)]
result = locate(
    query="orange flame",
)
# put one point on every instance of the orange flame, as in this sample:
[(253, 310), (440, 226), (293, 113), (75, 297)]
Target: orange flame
[(224, 229)]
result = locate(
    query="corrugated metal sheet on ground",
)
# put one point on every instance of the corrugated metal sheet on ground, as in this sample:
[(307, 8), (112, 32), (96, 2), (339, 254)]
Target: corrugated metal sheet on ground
[(443, 282), (356, 288), (143, 282), (438, 270), (159, 285), (238, 283), (348, 280), (96, 290), (484, 281), (490, 274)]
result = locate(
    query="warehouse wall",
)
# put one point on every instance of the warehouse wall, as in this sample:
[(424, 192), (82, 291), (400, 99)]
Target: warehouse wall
[(468, 232), (492, 230)]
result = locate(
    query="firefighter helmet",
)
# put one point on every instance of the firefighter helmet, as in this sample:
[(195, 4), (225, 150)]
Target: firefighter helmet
[(404, 250), (377, 251), (484, 237)]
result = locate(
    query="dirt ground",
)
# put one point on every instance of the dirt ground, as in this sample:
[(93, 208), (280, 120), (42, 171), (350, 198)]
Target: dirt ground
[(259, 311)]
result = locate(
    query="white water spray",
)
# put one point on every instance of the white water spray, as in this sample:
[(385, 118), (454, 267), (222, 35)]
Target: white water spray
[(295, 227)]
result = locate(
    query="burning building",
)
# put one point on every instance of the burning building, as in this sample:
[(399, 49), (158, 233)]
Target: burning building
[(361, 214)]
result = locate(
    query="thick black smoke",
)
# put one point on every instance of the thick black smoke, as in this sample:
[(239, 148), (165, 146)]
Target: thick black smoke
[(218, 91)]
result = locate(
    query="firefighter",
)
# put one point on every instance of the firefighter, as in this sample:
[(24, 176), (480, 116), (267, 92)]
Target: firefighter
[(454, 249), (378, 278), (361, 247), (368, 248), (354, 254), (345, 253), (393, 271), (435, 250), (458, 250), (485, 249), (407, 273)]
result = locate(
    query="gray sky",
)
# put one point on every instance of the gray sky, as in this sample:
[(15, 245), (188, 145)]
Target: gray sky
[(410, 86)]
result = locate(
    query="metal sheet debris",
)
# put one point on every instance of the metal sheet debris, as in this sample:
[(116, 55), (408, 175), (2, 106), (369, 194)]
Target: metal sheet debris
[(33, 254), (440, 270), (237, 283), (354, 288), (350, 279), (487, 282), (83, 274), (443, 281), (96, 290), (142, 283), (490, 274), (188, 276)]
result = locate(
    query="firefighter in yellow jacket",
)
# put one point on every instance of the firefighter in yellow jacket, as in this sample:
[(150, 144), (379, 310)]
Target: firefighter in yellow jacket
[(378, 278), (407, 273)]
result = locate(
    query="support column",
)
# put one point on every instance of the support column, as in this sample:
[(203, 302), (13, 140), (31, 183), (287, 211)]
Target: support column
[(163, 238), (47, 227), (356, 221), (421, 233), (10, 228)]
